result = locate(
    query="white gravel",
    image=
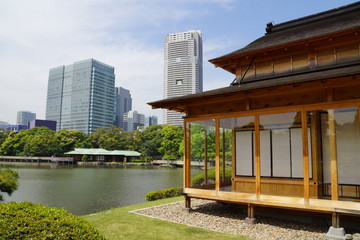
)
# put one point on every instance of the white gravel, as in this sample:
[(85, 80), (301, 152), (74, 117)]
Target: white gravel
[(229, 218)]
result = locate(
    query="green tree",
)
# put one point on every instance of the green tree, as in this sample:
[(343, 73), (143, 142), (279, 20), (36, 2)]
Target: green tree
[(42, 144), (8, 182), (68, 140), (148, 142), (3, 135), (112, 139), (94, 138), (172, 136), (15, 142)]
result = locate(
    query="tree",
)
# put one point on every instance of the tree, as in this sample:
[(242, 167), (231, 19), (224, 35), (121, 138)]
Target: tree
[(15, 142), (42, 144), (8, 181), (3, 135), (112, 139), (172, 136), (68, 140), (148, 142)]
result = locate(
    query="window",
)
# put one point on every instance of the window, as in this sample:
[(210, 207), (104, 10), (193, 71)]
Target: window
[(179, 82), (280, 146)]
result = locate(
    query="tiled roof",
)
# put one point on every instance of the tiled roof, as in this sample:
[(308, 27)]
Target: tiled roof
[(324, 23), (100, 151)]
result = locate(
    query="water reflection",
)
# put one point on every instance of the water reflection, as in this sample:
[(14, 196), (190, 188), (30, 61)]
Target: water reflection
[(83, 190)]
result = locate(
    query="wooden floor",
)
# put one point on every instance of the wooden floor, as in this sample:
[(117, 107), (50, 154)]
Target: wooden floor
[(317, 205)]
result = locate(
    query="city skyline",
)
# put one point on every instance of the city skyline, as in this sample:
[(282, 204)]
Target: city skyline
[(37, 36)]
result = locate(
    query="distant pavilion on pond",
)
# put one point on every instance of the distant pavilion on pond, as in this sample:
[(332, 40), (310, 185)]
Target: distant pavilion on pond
[(102, 155)]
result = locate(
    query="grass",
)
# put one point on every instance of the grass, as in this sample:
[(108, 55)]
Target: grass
[(119, 223)]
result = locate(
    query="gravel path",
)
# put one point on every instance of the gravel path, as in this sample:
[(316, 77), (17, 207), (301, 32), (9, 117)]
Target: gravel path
[(229, 218)]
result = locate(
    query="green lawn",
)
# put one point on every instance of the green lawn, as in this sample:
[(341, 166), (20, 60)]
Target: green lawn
[(119, 223)]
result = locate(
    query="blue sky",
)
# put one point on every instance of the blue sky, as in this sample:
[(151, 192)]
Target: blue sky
[(127, 34)]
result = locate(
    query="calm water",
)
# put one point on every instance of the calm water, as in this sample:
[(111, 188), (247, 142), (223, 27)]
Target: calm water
[(87, 190)]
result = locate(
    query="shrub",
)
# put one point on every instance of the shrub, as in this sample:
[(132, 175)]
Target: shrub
[(199, 180), (84, 158), (164, 193), (28, 220)]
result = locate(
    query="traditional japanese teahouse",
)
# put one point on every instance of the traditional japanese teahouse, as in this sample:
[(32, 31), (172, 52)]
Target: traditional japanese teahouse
[(287, 127)]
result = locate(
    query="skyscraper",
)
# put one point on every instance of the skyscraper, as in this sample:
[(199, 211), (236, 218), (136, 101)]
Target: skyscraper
[(133, 120), (123, 104), (24, 117), (81, 96), (182, 69), (151, 120)]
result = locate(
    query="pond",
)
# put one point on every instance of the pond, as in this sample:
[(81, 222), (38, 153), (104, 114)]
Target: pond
[(84, 190)]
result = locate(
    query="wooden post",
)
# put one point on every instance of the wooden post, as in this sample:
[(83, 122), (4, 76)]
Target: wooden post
[(187, 202), (217, 155), (250, 214), (335, 219), (187, 154), (305, 156), (257, 157), (223, 157), (205, 155), (316, 149), (333, 155)]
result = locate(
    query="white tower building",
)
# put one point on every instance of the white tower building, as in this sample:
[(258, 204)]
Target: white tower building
[(182, 69)]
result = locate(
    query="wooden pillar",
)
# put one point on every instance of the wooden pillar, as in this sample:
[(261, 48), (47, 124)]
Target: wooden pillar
[(305, 156), (333, 155), (187, 202), (223, 155), (187, 154), (205, 155), (250, 214), (217, 155), (250, 211), (335, 220), (257, 158), (316, 151)]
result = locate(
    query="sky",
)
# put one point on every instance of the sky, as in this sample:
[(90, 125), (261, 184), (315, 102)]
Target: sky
[(38, 35)]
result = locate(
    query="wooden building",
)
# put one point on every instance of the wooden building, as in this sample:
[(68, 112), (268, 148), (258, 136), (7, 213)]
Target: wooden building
[(288, 125), (102, 155)]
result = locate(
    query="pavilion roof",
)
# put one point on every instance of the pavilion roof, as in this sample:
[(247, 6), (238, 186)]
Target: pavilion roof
[(103, 152)]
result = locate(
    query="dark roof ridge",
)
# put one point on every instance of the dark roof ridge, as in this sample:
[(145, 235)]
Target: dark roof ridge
[(312, 18)]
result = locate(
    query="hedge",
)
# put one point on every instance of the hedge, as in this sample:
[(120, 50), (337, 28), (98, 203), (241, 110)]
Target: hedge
[(199, 180), (164, 193), (28, 220)]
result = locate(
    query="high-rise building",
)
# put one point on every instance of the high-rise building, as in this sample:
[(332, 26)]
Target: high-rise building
[(24, 117), (123, 104), (133, 120), (81, 96), (151, 120), (182, 69)]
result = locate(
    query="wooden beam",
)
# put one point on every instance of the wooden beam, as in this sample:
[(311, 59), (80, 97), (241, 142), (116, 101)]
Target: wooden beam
[(305, 156), (257, 157), (333, 155), (217, 155)]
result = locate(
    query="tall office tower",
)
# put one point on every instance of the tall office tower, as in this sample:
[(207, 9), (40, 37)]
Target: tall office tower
[(133, 120), (151, 120), (123, 104), (182, 69), (81, 96), (24, 117)]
